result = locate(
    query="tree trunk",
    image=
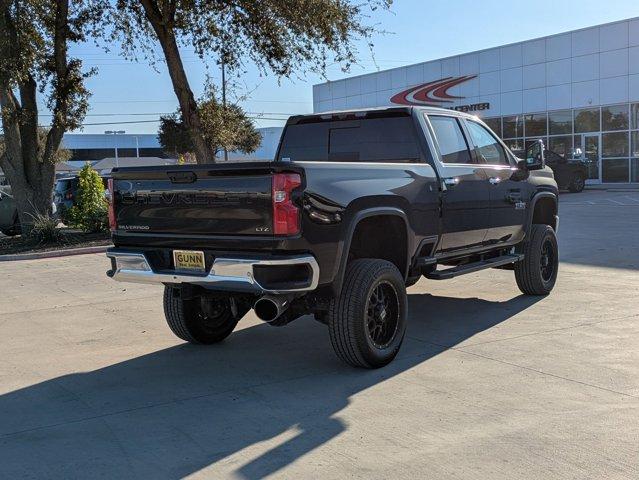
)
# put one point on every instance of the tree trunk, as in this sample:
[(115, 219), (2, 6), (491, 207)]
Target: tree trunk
[(188, 106), (33, 196), (30, 175)]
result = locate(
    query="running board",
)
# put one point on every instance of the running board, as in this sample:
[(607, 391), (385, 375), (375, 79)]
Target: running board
[(474, 267)]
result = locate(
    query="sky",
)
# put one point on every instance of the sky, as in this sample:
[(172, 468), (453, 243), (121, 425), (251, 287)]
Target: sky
[(415, 31)]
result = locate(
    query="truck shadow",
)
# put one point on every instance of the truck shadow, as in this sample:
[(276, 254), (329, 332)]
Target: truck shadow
[(248, 407)]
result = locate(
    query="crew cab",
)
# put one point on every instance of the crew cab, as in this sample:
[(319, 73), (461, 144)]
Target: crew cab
[(356, 207)]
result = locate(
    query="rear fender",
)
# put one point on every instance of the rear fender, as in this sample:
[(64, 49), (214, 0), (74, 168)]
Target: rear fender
[(345, 246)]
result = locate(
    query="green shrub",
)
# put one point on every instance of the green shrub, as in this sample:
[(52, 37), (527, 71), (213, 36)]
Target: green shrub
[(45, 229), (90, 213)]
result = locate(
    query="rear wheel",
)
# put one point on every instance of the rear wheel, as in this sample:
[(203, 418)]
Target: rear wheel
[(367, 321), (577, 184), (199, 320), (536, 274)]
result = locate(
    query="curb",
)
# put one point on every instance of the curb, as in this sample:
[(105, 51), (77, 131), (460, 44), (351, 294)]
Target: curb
[(54, 253), (623, 187)]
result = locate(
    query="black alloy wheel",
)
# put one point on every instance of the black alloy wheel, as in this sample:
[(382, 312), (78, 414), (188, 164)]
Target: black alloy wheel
[(547, 260), (382, 315)]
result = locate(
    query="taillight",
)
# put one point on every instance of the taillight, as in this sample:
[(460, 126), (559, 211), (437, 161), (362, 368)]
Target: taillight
[(69, 196), (286, 216), (113, 224)]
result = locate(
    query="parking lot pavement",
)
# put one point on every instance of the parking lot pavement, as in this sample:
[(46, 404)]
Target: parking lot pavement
[(488, 384), (624, 198)]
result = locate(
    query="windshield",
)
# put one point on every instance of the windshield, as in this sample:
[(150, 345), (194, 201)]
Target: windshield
[(387, 139)]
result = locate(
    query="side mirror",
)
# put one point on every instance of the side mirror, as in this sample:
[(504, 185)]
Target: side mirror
[(535, 158)]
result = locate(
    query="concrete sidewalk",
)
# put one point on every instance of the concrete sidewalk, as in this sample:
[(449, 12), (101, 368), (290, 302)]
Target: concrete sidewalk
[(488, 384)]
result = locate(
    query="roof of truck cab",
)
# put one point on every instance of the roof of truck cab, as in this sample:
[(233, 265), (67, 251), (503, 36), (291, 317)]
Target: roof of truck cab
[(399, 109)]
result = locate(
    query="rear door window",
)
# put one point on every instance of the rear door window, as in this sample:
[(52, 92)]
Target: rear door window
[(453, 146), (385, 139)]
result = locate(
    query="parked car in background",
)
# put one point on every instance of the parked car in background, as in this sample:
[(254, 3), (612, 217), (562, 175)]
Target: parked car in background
[(65, 192), (9, 220), (570, 173)]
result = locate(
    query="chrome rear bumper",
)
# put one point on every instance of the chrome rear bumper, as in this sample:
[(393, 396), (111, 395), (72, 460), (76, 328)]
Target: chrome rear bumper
[(232, 274)]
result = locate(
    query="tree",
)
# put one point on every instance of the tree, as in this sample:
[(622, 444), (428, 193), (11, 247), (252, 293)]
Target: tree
[(90, 212), (174, 136), (283, 36), (222, 127), (34, 38)]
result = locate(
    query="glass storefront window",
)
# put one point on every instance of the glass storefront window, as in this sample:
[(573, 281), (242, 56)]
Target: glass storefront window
[(634, 148), (614, 170), (516, 145), (535, 124), (586, 120), (634, 115), (614, 117), (529, 140), (634, 170), (494, 124), (561, 145), (560, 122), (513, 127), (577, 150), (614, 144)]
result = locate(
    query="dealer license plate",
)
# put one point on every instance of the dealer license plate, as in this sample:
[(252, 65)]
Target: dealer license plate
[(190, 260)]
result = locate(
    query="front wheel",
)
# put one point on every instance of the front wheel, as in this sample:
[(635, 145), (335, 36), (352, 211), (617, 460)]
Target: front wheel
[(577, 184), (198, 320), (367, 321), (536, 274)]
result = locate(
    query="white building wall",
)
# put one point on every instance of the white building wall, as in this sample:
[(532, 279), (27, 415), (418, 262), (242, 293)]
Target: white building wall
[(266, 150), (593, 66)]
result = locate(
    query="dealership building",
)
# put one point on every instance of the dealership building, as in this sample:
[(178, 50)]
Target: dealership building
[(92, 147), (578, 91)]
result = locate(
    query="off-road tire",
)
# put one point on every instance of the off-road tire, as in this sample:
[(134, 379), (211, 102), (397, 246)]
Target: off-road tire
[(188, 321), (349, 319), (532, 278), (577, 184)]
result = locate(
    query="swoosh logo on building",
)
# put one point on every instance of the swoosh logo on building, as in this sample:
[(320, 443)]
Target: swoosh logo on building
[(431, 93)]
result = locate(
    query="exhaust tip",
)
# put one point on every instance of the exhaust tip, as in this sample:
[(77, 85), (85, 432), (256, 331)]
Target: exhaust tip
[(266, 309)]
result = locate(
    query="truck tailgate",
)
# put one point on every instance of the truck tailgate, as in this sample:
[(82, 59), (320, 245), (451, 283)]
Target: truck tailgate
[(206, 199)]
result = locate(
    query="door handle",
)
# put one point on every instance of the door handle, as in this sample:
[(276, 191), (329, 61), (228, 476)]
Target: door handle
[(451, 181), (514, 196), (494, 180)]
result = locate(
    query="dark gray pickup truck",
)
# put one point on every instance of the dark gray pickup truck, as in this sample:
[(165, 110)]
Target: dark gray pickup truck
[(355, 207)]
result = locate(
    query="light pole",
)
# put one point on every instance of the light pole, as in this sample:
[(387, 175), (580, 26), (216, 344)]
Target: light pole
[(226, 153), (116, 132)]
